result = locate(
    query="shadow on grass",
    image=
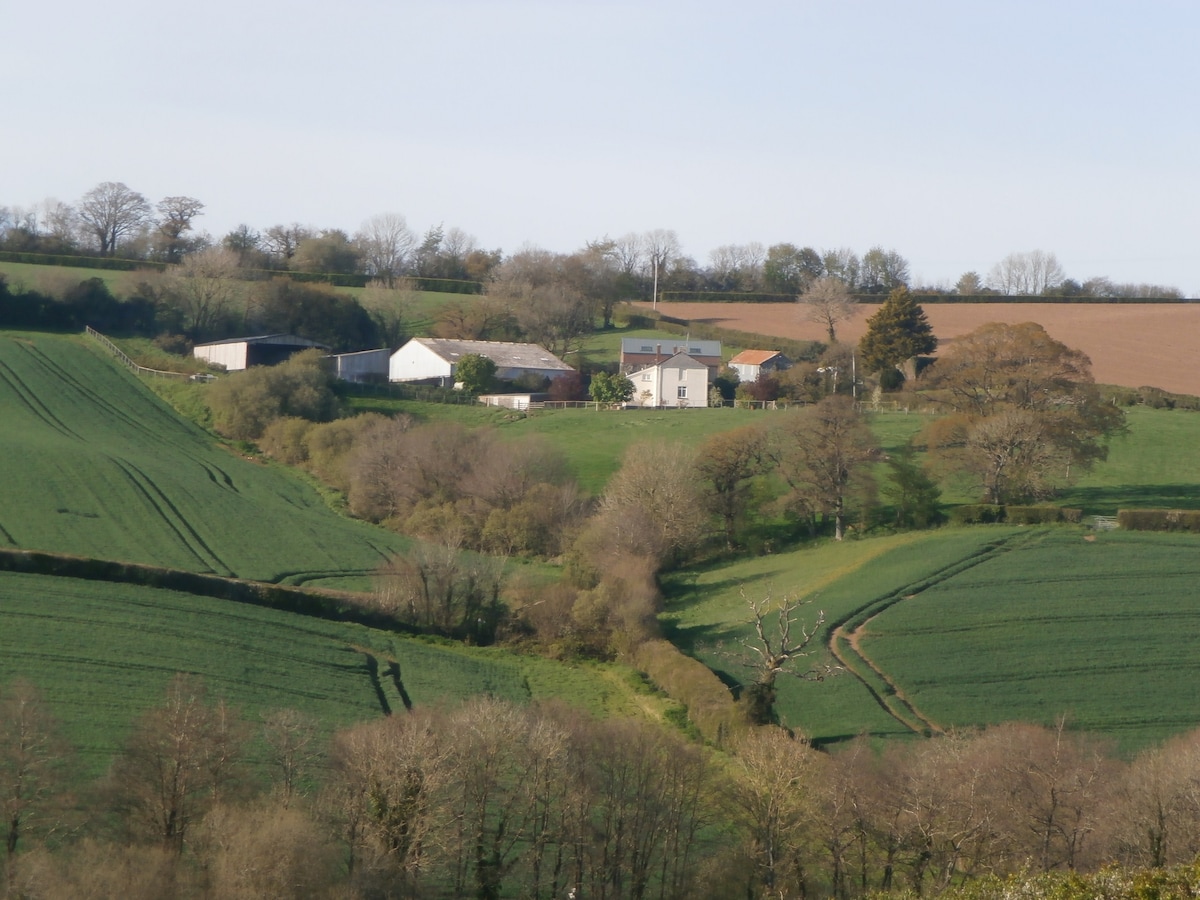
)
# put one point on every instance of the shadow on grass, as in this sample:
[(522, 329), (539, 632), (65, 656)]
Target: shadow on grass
[(1106, 501)]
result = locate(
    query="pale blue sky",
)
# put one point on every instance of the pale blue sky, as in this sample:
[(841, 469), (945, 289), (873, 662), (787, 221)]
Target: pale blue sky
[(953, 132)]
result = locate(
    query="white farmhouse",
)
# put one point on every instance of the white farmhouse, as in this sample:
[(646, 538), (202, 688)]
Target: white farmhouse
[(434, 360), (680, 381)]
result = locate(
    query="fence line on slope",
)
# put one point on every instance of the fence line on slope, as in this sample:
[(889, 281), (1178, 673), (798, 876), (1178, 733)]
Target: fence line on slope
[(121, 357)]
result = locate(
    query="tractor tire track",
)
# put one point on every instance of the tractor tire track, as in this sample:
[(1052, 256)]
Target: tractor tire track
[(94, 397), (174, 520), (845, 636), (30, 401)]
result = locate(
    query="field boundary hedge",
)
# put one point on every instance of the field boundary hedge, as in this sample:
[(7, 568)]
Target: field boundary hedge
[(710, 705), (878, 298), (335, 606), (121, 264), (994, 513), (1170, 520)]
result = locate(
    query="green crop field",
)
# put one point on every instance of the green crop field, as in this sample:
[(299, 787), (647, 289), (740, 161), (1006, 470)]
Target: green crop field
[(96, 465), (1101, 631), (970, 626), (102, 653)]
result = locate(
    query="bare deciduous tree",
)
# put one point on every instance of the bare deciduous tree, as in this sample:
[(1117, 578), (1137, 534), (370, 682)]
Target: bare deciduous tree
[(30, 753), (774, 790), (180, 759), (781, 645), (1032, 273), (203, 289), (385, 243), (827, 302), (111, 211)]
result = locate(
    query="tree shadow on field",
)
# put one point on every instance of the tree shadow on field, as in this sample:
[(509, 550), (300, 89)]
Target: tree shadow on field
[(1106, 501)]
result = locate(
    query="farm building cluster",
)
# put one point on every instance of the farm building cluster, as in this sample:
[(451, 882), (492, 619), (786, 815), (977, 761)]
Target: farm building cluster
[(675, 374)]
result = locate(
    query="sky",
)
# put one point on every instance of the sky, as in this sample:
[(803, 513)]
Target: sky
[(953, 132)]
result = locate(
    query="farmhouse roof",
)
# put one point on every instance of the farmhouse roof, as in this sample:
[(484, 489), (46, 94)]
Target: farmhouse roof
[(638, 346), (504, 354), (284, 339), (678, 361), (361, 352), (754, 357)]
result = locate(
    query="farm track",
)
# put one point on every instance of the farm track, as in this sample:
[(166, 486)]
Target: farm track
[(845, 638)]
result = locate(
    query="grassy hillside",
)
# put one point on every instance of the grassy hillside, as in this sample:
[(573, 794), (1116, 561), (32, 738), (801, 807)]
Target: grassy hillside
[(108, 470), (103, 653)]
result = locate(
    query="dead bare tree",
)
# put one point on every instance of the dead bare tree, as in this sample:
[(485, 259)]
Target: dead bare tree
[(782, 645)]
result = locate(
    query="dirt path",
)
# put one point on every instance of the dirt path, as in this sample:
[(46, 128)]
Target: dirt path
[(854, 639)]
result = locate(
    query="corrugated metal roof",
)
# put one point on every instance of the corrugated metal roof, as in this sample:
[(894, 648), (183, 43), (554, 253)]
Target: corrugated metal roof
[(285, 339), (505, 355)]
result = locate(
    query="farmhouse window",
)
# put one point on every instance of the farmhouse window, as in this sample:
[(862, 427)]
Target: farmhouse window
[(682, 395)]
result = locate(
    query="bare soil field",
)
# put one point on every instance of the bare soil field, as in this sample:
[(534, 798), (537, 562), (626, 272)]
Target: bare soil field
[(1130, 344)]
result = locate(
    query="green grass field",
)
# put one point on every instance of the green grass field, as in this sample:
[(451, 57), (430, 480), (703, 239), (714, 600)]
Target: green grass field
[(1102, 631), (96, 465), (973, 626), (102, 653), (52, 279)]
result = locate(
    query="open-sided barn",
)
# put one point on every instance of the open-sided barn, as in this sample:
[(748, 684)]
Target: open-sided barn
[(263, 350)]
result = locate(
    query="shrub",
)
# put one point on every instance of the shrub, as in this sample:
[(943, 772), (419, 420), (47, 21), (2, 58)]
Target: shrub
[(977, 514), (1041, 515), (710, 705), (1187, 520)]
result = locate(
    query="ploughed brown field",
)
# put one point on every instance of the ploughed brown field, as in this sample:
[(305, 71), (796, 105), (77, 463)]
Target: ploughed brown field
[(1130, 344)]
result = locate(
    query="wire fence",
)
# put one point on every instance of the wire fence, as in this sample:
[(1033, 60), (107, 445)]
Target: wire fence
[(129, 363)]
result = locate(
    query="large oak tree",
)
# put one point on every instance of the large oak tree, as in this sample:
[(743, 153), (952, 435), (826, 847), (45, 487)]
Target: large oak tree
[(1025, 411)]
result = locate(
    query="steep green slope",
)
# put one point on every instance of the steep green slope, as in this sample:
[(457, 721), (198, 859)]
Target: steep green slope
[(96, 465)]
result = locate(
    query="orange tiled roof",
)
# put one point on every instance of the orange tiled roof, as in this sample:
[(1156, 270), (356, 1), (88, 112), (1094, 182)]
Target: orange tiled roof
[(754, 357)]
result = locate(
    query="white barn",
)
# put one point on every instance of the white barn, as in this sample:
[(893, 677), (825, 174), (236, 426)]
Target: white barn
[(236, 354), (435, 360), (680, 381)]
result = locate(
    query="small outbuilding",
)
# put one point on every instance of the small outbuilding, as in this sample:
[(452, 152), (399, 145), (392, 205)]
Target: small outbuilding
[(434, 360), (749, 364), (680, 382), (236, 354)]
